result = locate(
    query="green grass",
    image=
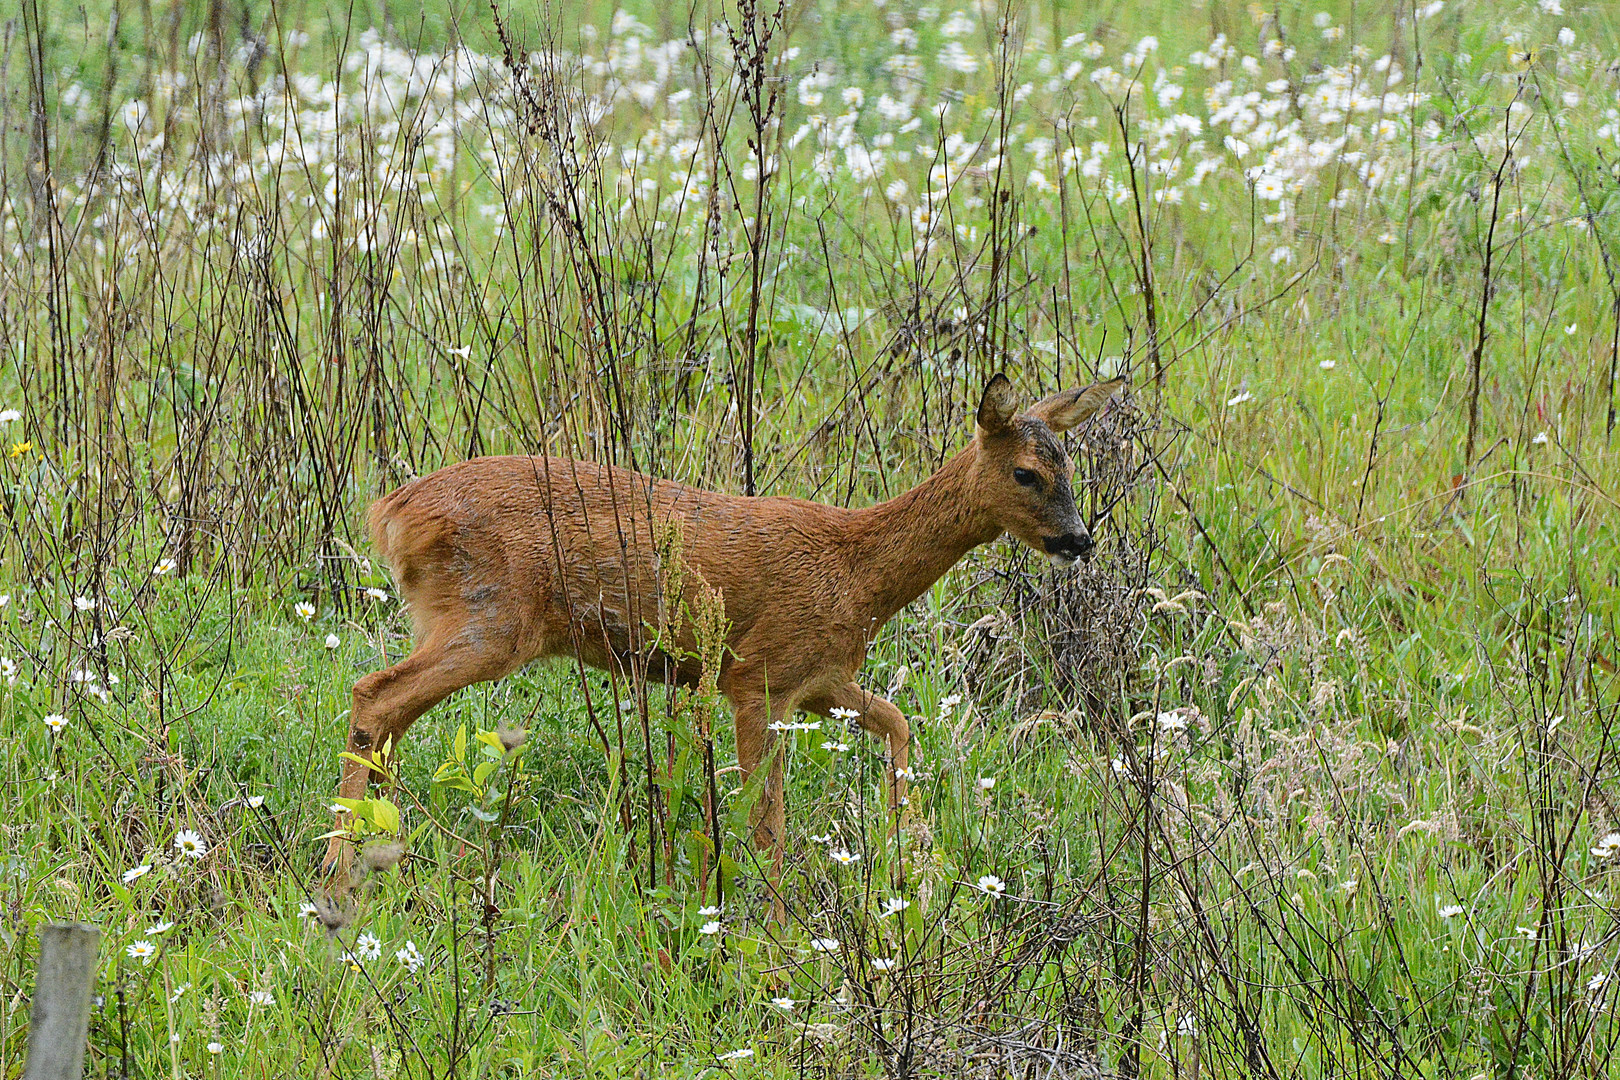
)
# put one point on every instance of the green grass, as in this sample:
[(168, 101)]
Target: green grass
[(1396, 665)]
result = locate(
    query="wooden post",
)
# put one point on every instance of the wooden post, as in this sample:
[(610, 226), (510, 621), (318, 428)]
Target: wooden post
[(63, 982)]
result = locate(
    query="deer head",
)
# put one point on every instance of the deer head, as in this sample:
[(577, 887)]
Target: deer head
[(1022, 476)]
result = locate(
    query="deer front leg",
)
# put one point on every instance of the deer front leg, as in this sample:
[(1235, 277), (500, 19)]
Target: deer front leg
[(880, 717), (753, 714)]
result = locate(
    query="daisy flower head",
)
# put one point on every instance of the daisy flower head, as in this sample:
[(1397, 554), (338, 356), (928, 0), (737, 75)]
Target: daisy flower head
[(304, 610), (991, 885), (56, 722), (894, 905), (8, 416), (1450, 911), (838, 712), (709, 911), (84, 603), (824, 944), (262, 997), (216, 1048), (160, 928), (786, 1004), (189, 842), (142, 950), (986, 783), (1608, 846), (737, 1055), (883, 964), (332, 641), (376, 595), (411, 957), (710, 928), (307, 910), (133, 875), (164, 567), (368, 947), (844, 858)]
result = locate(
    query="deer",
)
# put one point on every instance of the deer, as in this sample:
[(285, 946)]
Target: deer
[(501, 561)]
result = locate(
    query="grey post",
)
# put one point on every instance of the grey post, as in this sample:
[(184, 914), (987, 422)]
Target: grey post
[(62, 986)]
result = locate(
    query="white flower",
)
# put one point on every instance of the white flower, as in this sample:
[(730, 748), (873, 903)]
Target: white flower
[(896, 191), (56, 722), (905, 774), (986, 783), (710, 928), (216, 1048), (1550, 7), (1540, 439), (255, 801), (160, 928), (816, 839), (883, 964), (368, 947), (190, 843), (179, 992), (835, 747), (1431, 9), (8, 670), (1350, 885), (8, 416), (1571, 328), (1451, 911), (1607, 846), (411, 957), (838, 712), (1527, 932), (991, 885), (304, 610), (132, 876), (262, 997), (164, 568), (1327, 365), (142, 951), (737, 1055), (84, 603), (307, 910), (824, 944), (376, 595), (709, 912), (1239, 398), (1566, 38), (332, 641), (844, 858), (786, 1004), (894, 905), (1172, 721), (1595, 983)]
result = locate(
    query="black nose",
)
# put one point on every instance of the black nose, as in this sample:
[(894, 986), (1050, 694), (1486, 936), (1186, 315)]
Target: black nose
[(1070, 545)]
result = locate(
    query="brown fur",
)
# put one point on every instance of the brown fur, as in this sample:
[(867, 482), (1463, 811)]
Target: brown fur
[(505, 560)]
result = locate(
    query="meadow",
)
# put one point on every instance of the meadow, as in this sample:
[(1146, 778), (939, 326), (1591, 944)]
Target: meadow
[(1307, 773)]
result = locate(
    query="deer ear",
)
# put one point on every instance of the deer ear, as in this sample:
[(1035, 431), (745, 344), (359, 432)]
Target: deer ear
[(1068, 408), (996, 407)]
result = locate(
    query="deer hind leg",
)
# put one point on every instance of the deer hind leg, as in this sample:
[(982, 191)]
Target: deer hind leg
[(389, 701), (880, 717)]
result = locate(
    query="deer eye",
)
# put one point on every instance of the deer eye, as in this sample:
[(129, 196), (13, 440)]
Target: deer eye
[(1027, 478)]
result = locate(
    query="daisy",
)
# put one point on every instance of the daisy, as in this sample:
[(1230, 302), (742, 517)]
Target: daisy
[(844, 858), (894, 905), (883, 964), (376, 595), (84, 603), (307, 910), (1451, 911), (262, 997), (190, 843), (304, 610), (164, 568), (835, 747), (986, 783), (255, 801), (368, 947), (824, 944), (1595, 983), (332, 641), (838, 712), (709, 911), (132, 876), (411, 957), (786, 1004), (142, 951), (160, 928), (991, 885), (8, 416), (216, 1048), (737, 1055), (710, 928), (56, 722)]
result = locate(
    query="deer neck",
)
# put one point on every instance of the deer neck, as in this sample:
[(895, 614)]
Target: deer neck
[(904, 545)]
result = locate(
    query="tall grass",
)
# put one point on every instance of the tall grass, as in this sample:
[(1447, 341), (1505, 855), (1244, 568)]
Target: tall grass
[(1307, 774)]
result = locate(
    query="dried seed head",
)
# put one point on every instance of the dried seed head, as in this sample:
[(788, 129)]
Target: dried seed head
[(380, 855), (332, 915), (512, 738)]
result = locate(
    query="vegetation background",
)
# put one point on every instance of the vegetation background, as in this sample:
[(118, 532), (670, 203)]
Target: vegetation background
[(1309, 773)]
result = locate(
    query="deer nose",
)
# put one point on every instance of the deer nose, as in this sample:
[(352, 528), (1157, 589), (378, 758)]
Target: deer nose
[(1070, 545)]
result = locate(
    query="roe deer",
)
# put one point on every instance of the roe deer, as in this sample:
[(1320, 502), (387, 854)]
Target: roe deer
[(504, 560)]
